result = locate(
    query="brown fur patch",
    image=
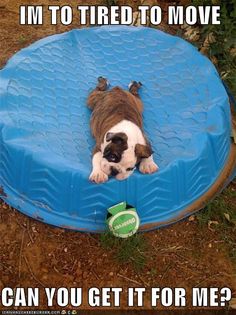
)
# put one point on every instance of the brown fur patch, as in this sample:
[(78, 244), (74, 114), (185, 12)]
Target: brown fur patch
[(111, 107), (118, 137), (143, 151)]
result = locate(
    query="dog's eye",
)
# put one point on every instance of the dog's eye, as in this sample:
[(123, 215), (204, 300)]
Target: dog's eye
[(130, 168)]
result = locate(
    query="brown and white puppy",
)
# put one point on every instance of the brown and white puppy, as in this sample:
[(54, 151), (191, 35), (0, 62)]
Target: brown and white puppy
[(116, 124)]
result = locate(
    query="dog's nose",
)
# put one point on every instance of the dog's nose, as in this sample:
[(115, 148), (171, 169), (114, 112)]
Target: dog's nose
[(114, 171)]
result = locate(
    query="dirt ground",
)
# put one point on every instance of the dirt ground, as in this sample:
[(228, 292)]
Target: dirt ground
[(33, 254)]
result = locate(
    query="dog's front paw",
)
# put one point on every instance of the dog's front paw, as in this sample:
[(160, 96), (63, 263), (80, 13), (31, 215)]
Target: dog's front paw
[(135, 84), (98, 177), (103, 83), (148, 166)]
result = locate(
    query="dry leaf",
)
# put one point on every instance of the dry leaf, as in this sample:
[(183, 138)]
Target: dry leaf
[(191, 218), (210, 38), (214, 60), (204, 50), (184, 26), (192, 34), (224, 74), (233, 52), (210, 223), (135, 17), (227, 216), (232, 304)]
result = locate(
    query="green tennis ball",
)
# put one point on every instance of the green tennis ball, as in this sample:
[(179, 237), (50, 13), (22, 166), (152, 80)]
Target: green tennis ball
[(123, 220)]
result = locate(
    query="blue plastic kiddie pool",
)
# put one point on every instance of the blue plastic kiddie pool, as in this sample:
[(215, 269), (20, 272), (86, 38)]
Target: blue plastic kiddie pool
[(46, 145)]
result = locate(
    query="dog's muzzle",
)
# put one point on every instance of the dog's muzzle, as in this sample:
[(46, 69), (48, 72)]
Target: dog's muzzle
[(114, 171)]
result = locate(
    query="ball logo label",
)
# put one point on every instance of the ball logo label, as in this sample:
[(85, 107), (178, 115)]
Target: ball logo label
[(123, 220)]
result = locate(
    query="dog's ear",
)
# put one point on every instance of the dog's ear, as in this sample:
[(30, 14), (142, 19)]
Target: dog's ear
[(143, 151), (117, 138)]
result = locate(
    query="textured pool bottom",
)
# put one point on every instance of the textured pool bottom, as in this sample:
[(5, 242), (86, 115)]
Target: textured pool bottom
[(46, 146)]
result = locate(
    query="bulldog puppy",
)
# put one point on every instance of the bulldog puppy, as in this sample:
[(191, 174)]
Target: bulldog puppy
[(116, 124)]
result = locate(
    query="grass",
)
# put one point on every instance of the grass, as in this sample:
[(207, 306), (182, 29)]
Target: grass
[(222, 209), (220, 215), (130, 250), (111, 2), (222, 49), (21, 39)]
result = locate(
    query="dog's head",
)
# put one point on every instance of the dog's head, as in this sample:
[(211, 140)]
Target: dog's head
[(120, 158)]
